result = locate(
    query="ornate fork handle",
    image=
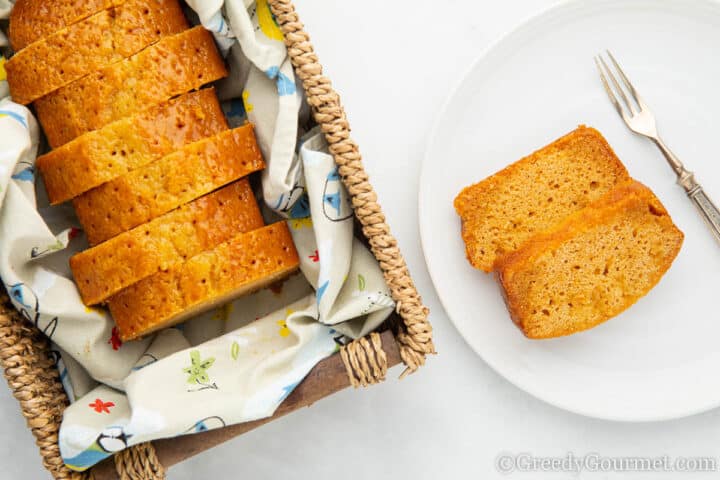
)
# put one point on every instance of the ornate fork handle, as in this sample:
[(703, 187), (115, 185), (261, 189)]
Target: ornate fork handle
[(693, 189), (707, 208)]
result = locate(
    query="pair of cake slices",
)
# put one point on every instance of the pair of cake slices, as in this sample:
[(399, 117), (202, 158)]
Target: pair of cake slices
[(574, 240), (157, 178)]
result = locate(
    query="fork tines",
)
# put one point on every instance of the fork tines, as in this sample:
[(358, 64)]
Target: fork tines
[(605, 73)]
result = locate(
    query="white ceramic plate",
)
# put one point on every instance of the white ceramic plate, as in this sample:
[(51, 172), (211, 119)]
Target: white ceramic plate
[(661, 358)]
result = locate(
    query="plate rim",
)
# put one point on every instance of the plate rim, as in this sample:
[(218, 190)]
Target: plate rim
[(525, 23)]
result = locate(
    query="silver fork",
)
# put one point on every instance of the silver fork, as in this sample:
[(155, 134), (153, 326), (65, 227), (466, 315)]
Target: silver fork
[(640, 119)]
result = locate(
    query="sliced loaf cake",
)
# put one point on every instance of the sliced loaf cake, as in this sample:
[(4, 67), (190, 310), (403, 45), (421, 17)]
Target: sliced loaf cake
[(31, 20), (591, 266), (503, 211), (132, 142), (245, 263), (163, 185), (172, 238), (95, 42), (170, 67)]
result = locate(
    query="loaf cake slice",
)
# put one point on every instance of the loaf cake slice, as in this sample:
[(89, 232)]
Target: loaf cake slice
[(245, 263), (172, 238), (504, 210), (86, 46), (31, 20), (163, 185), (592, 266), (172, 66), (132, 142)]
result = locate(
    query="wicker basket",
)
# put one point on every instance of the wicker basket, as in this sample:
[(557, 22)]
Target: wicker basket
[(30, 368)]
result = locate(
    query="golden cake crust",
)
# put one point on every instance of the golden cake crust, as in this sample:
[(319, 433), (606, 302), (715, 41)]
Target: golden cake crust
[(132, 142), (591, 266), (31, 20), (165, 184), (170, 67), (90, 44), (172, 238), (245, 263), (501, 212)]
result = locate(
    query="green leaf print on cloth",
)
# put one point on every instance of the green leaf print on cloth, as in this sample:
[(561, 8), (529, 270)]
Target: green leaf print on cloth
[(197, 371)]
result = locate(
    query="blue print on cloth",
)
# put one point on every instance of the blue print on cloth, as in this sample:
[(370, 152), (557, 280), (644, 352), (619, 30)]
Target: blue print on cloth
[(334, 175), (16, 292), (26, 175), (111, 440), (287, 390), (333, 199), (301, 208), (14, 116), (86, 459), (64, 378), (336, 204), (63, 374), (216, 24), (31, 312), (237, 108), (294, 204), (279, 202), (209, 423), (321, 291), (285, 86)]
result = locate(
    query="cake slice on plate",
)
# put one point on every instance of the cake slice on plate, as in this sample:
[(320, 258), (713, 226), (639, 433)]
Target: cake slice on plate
[(504, 210), (591, 266)]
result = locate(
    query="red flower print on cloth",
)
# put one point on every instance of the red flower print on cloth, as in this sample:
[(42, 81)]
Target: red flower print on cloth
[(101, 407), (315, 257), (115, 339)]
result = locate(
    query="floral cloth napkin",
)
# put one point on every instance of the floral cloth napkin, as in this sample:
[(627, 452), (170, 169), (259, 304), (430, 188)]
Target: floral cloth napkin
[(238, 362)]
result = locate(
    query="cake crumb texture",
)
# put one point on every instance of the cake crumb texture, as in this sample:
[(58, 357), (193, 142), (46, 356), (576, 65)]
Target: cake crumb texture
[(501, 212), (32, 20), (176, 64), (163, 185), (591, 266), (245, 263), (95, 42), (132, 142), (155, 246)]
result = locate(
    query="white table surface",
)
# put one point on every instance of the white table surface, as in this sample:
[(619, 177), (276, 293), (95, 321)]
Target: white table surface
[(394, 63)]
